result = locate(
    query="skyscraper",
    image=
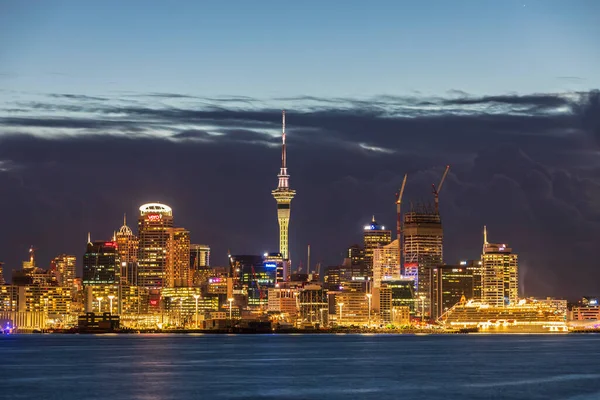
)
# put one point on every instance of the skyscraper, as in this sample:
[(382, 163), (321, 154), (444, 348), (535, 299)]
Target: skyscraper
[(65, 268), (356, 254), (128, 245), (386, 263), (177, 273), (283, 195), (101, 263), (199, 256), (423, 249), (373, 236), (500, 274), (450, 284), (153, 229)]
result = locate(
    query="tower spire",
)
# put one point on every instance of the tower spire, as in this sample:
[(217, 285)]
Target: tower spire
[(89, 238), (485, 242), (124, 219)]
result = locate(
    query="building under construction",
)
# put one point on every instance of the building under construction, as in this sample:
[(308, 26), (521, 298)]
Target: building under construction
[(423, 250)]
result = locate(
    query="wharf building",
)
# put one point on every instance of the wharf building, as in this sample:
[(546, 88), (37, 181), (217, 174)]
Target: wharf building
[(500, 274), (283, 196), (374, 235), (423, 236)]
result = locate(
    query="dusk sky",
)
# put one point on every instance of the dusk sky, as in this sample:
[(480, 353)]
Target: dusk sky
[(107, 105)]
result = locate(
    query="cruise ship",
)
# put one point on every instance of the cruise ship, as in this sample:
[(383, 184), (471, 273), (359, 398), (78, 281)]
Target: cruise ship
[(543, 316)]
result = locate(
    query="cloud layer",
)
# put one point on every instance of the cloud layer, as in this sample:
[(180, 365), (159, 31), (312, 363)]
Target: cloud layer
[(525, 165)]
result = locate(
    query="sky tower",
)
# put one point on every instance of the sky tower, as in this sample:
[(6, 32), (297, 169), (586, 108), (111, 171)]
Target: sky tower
[(283, 195)]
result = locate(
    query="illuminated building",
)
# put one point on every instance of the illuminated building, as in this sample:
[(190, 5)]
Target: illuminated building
[(423, 236), (126, 299), (30, 274), (199, 256), (352, 305), (528, 316), (128, 245), (101, 264), (474, 267), (154, 223), (402, 294), (177, 273), (251, 279), (450, 284), (65, 268), (2, 281), (390, 313), (500, 282), (313, 304), (347, 272), (283, 196), (356, 254), (53, 301), (281, 266), (180, 304), (386, 263), (284, 301), (373, 236), (8, 297)]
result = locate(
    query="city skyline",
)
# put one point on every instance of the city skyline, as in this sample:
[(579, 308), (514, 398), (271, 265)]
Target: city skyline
[(520, 131)]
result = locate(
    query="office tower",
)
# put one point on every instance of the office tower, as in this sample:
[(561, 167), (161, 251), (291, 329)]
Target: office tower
[(373, 236), (386, 263), (312, 304), (500, 283), (275, 260), (128, 245), (101, 264), (356, 254), (474, 267), (423, 236), (2, 281), (154, 223), (177, 272), (64, 265), (450, 284), (251, 279), (199, 256), (283, 195)]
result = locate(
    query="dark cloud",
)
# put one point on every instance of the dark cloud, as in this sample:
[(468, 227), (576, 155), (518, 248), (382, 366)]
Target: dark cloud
[(519, 172)]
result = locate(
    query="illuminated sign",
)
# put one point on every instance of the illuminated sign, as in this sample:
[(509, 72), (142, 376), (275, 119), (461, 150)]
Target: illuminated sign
[(154, 217), (270, 265), (110, 244), (593, 302)]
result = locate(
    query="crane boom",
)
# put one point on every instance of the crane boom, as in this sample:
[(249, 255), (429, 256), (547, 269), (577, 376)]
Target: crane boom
[(399, 222), (439, 188)]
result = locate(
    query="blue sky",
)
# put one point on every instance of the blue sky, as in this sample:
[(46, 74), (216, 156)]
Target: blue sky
[(277, 48)]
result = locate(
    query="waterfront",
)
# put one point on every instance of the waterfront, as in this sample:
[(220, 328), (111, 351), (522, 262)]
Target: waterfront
[(367, 366)]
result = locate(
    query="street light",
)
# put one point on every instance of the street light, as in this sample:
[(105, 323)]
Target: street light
[(100, 303), (369, 295), (341, 305), (230, 300), (422, 309), (110, 298), (196, 296)]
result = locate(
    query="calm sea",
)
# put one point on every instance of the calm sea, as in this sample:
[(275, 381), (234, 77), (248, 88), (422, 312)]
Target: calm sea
[(299, 367)]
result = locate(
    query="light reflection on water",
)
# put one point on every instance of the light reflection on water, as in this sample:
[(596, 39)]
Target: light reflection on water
[(378, 367)]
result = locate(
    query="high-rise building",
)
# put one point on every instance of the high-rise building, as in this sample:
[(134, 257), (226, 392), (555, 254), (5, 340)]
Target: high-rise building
[(177, 273), (199, 256), (474, 267), (356, 254), (283, 196), (423, 249), (373, 236), (128, 245), (450, 284), (500, 282), (64, 265), (2, 281), (386, 263), (101, 263), (154, 223)]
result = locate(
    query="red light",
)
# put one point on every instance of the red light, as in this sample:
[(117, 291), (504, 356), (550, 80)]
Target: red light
[(110, 244), (153, 302)]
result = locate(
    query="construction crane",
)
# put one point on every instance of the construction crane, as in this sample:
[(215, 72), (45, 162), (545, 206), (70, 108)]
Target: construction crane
[(399, 221), (436, 192)]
